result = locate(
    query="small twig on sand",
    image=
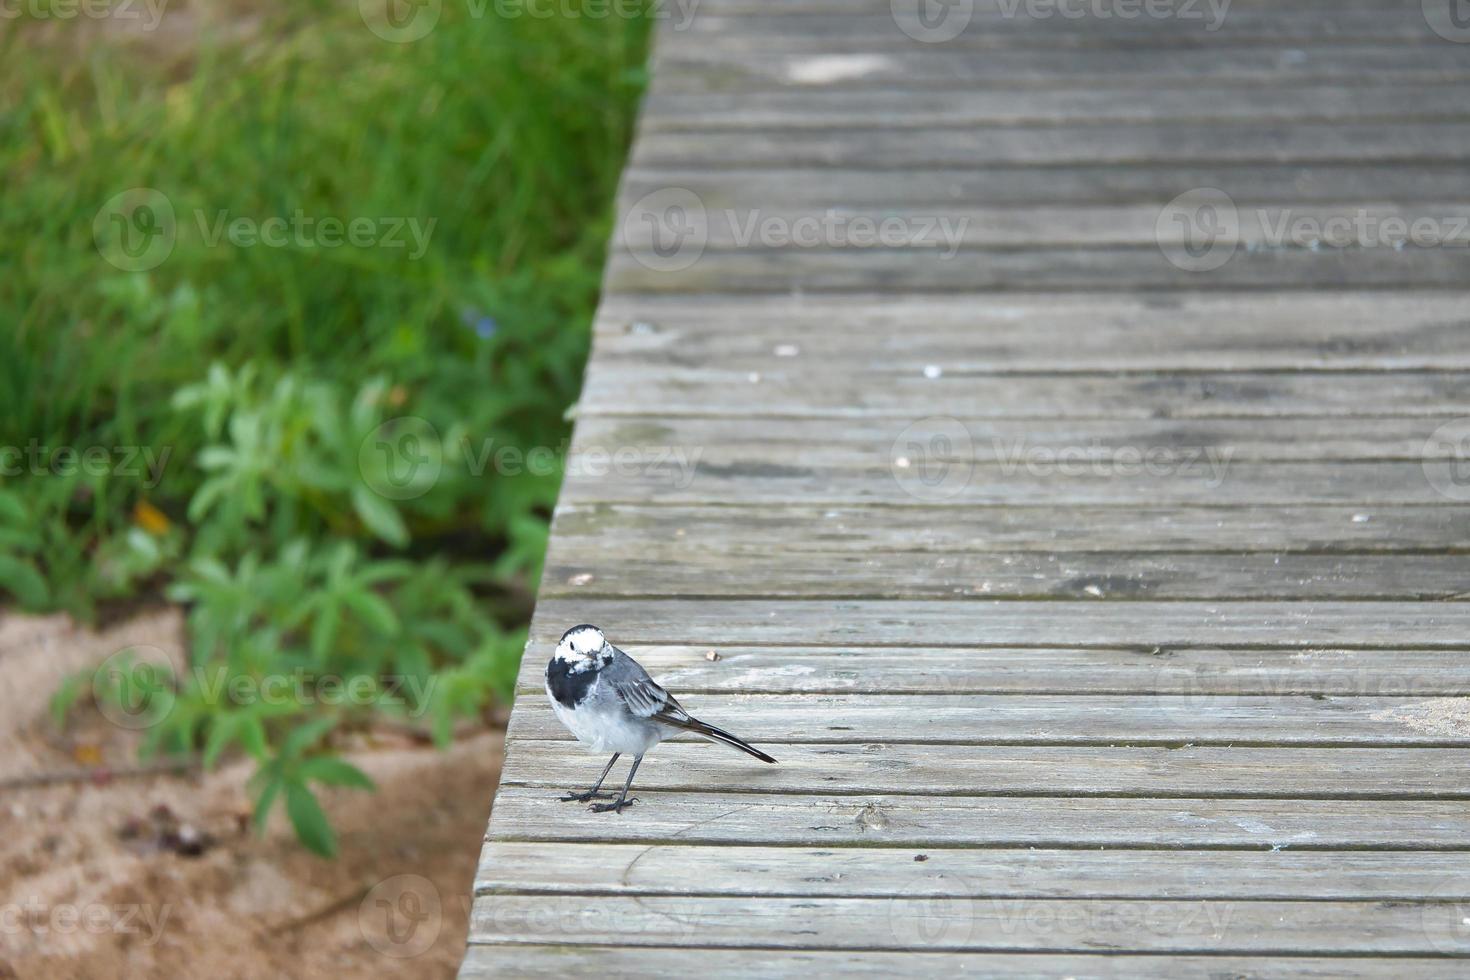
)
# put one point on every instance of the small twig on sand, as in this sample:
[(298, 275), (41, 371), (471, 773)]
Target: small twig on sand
[(56, 777)]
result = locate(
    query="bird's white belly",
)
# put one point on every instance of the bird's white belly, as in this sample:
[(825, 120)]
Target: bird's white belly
[(603, 731)]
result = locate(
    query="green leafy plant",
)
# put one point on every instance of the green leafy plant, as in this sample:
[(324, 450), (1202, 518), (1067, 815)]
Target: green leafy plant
[(232, 389)]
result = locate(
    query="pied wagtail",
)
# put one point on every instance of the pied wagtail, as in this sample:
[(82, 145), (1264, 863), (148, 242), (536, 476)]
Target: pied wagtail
[(611, 704)]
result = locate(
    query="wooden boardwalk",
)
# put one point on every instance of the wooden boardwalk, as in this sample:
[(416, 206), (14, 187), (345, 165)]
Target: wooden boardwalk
[(967, 426)]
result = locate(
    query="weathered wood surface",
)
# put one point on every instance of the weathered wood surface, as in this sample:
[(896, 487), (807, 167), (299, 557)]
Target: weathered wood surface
[(1168, 720), (685, 68), (918, 822), (847, 184), (738, 964), (892, 872), (893, 110), (1150, 670), (1110, 617)]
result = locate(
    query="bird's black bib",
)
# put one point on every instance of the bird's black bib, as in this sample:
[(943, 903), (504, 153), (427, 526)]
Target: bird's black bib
[(567, 687)]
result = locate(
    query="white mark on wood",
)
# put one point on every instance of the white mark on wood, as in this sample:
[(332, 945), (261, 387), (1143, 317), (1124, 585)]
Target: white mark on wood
[(835, 68)]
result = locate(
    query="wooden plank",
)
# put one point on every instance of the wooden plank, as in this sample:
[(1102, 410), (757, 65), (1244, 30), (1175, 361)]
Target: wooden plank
[(779, 8), (1034, 145), (949, 229), (1193, 25), (939, 460), (738, 964), (717, 478), (1160, 671), (924, 822), (901, 270), (972, 771), (996, 623), (825, 109), (1323, 928), (1160, 720), (589, 567), (861, 872), (898, 391), (1015, 444), (849, 185), (727, 533), (1086, 333), (687, 69)]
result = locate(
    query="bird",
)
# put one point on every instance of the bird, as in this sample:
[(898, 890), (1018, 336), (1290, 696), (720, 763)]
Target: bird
[(606, 699)]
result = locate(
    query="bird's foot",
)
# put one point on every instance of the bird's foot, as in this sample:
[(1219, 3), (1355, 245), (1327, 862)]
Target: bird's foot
[(591, 794), (616, 807)]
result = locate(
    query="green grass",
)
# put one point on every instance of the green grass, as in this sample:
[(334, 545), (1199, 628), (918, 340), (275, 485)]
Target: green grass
[(252, 375)]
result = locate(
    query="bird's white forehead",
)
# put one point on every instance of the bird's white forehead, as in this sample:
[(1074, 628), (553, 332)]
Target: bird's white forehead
[(582, 642)]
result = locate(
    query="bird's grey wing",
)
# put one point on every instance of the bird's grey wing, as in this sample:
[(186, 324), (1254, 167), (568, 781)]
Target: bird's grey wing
[(640, 693)]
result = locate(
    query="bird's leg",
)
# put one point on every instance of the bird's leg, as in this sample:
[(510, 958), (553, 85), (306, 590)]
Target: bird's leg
[(622, 801), (584, 797)]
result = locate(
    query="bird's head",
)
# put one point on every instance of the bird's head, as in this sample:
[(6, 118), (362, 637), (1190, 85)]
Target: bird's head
[(582, 647)]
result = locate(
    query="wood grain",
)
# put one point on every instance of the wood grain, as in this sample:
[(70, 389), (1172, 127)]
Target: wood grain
[(862, 872), (1155, 670), (687, 68), (1166, 720), (920, 822), (888, 337)]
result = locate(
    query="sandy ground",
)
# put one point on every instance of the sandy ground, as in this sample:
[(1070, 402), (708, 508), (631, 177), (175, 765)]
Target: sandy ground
[(119, 875)]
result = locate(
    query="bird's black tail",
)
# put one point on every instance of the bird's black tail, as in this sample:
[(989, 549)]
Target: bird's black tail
[(720, 735)]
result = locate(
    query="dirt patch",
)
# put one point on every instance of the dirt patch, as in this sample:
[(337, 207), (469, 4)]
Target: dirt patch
[(100, 877), (1446, 717)]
